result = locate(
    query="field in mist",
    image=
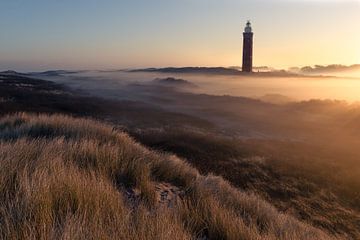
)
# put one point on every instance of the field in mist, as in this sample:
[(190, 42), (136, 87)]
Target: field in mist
[(333, 86), (251, 106)]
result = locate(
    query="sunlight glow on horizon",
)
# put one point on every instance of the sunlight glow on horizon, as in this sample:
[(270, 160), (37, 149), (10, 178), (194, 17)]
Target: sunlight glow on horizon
[(127, 34)]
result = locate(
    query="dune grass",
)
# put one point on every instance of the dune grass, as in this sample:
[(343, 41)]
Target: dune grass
[(66, 178), (317, 184)]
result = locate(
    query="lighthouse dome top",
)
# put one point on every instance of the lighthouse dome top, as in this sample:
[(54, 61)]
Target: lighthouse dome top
[(248, 28)]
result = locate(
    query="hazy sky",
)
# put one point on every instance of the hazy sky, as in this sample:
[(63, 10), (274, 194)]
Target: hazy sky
[(88, 34)]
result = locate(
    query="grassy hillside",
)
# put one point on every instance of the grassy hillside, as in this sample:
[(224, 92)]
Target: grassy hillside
[(316, 184), (67, 178)]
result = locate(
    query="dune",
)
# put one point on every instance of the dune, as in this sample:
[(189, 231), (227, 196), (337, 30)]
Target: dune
[(73, 178)]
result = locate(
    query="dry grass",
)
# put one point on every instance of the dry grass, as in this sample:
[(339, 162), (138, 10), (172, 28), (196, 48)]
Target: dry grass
[(316, 184), (65, 178)]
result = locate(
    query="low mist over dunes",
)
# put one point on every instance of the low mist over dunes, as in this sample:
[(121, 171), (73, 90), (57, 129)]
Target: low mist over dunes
[(295, 146), (175, 82), (319, 69), (218, 71), (263, 71), (316, 70), (200, 70), (329, 70)]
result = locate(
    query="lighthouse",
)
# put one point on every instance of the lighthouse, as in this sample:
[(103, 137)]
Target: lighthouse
[(248, 48)]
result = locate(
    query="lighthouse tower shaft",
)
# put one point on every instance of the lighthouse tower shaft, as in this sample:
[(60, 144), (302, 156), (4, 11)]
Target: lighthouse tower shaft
[(248, 49)]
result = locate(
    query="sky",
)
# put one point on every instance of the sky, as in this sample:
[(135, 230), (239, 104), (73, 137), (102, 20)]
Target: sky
[(114, 34)]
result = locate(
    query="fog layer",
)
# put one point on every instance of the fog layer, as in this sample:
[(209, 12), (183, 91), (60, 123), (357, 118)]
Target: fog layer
[(297, 108)]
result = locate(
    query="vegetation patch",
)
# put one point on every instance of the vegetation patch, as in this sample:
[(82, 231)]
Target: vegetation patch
[(66, 178)]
